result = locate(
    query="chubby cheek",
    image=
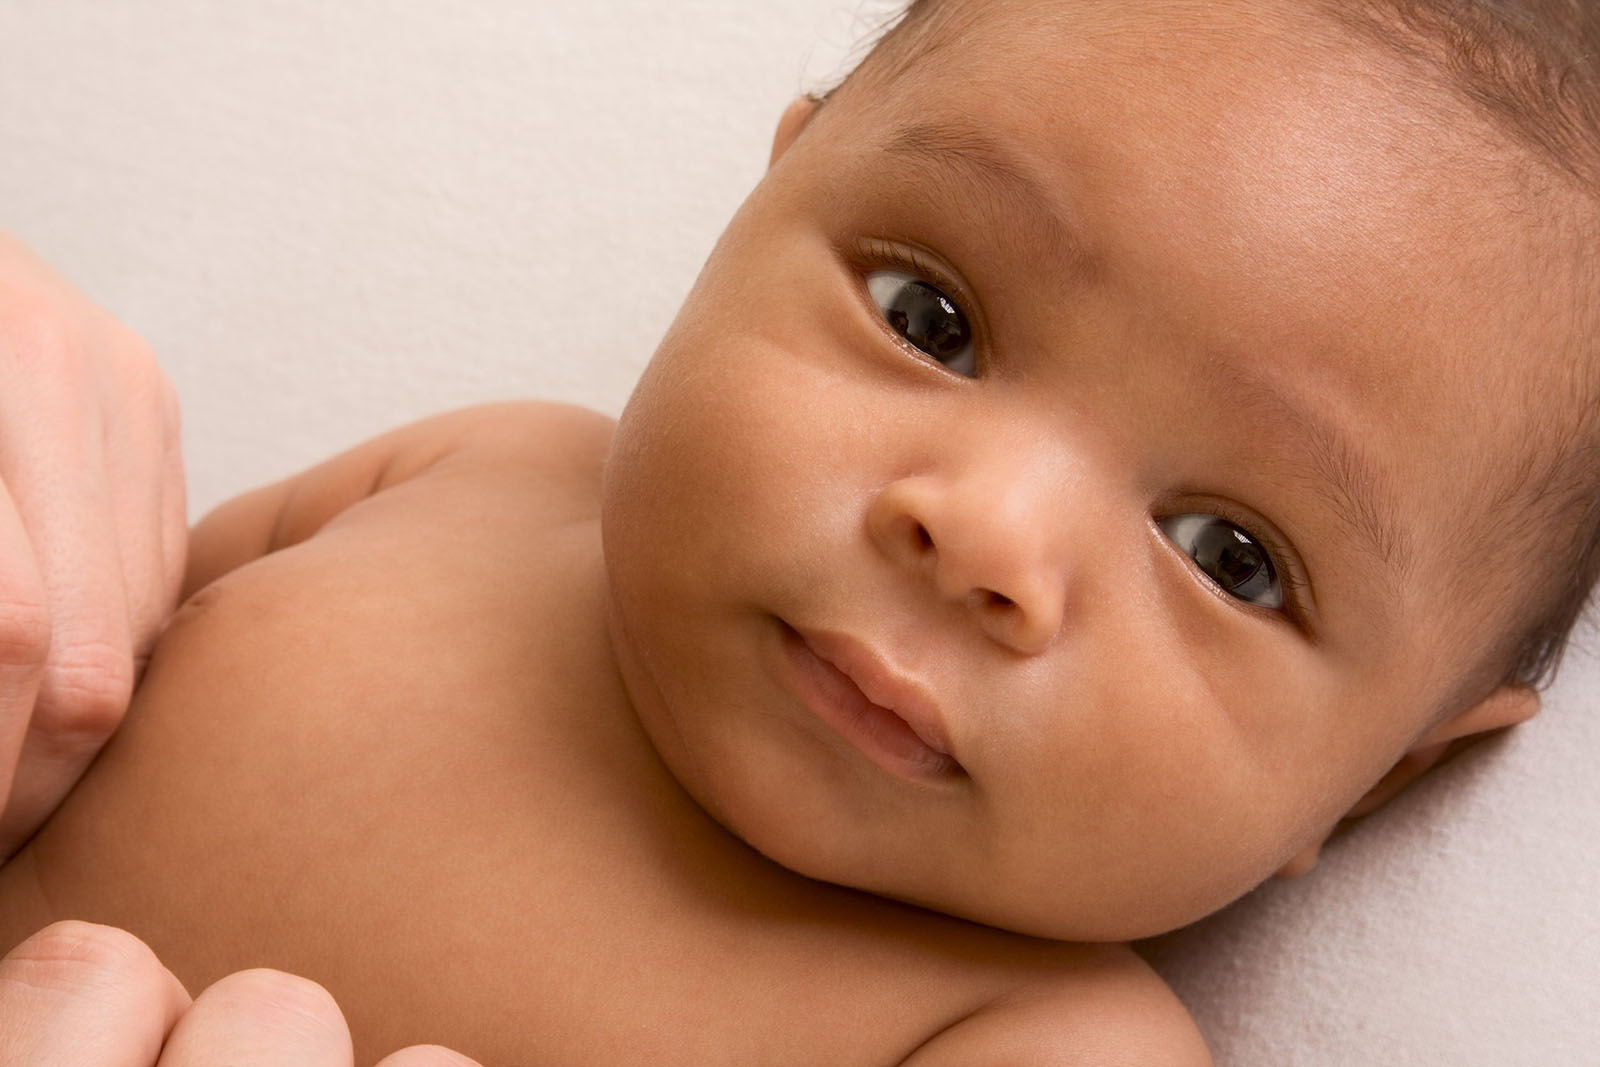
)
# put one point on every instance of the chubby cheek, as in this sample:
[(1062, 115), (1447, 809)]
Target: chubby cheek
[(726, 490), (716, 455), (757, 432), (735, 491), (1152, 793)]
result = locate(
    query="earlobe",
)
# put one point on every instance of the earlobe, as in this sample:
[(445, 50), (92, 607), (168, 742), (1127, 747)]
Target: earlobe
[(1303, 860), (795, 118), (1506, 706)]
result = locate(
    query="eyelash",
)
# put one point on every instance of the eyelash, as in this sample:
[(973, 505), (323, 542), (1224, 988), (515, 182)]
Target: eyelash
[(877, 253)]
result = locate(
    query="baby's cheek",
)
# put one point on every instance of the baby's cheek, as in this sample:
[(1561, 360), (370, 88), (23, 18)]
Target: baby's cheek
[(1142, 810)]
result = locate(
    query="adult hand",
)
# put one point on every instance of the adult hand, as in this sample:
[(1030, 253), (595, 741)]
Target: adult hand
[(78, 995), (92, 530)]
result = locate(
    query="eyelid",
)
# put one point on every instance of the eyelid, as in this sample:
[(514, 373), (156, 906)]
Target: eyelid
[(1299, 599), (880, 253)]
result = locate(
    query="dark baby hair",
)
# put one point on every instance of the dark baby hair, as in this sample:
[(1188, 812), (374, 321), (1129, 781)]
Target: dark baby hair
[(1532, 68)]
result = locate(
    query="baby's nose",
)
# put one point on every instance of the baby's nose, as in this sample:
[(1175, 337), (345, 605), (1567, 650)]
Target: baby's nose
[(985, 539)]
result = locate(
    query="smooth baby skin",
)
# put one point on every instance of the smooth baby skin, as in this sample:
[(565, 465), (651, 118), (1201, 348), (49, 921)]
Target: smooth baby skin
[(395, 758)]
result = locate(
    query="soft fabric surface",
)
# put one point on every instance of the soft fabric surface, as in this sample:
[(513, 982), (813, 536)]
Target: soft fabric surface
[(330, 218)]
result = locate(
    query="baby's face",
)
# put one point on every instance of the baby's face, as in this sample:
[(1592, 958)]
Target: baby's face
[(1058, 501)]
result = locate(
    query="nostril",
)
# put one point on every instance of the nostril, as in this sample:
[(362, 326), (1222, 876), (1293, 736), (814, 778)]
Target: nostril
[(924, 538), (998, 600)]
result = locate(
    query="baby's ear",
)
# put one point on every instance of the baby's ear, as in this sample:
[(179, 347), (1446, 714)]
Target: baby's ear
[(794, 119), (1506, 706)]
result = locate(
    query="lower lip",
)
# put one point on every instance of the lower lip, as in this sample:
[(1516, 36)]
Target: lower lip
[(878, 733)]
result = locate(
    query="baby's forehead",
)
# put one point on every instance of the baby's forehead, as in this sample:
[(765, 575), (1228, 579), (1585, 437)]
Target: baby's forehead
[(1380, 184), (1530, 67), (1328, 185)]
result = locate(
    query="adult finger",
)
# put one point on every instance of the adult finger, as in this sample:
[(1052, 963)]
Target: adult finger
[(52, 461), (80, 995), (24, 645), (51, 464), (426, 1056), (174, 503), (174, 531), (261, 1018), (138, 415), (130, 459)]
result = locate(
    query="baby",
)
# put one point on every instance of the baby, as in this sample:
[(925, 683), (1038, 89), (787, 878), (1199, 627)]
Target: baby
[(1097, 459)]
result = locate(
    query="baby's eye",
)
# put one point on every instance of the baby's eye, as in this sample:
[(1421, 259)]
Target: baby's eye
[(928, 319), (1238, 564)]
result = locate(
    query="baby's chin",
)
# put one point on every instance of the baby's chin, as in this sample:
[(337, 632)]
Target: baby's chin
[(962, 888), (1086, 914)]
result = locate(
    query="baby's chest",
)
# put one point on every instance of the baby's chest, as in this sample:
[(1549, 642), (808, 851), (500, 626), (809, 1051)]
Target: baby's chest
[(430, 805)]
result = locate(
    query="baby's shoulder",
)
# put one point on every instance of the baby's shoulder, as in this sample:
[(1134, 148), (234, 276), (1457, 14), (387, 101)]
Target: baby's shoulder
[(533, 429), (514, 464), (561, 442), (531, 461), (497, 479), (1104, 1008)]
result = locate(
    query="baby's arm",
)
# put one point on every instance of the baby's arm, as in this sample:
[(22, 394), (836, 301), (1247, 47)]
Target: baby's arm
[(1126, 1018), (285, 513)]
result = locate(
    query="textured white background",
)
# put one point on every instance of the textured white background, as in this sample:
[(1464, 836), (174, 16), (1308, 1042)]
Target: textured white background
[(330, 218)]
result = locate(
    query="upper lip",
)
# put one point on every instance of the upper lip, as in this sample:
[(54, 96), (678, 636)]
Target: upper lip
[(882, 684)]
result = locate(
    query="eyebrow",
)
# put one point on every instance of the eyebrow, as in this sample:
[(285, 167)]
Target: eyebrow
[(968, 154), (1346, 476)]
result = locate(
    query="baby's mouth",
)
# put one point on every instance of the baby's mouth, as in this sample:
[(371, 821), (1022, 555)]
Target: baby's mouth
[(888, 717)]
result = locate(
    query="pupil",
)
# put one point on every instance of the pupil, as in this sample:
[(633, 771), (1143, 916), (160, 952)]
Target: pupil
[(1230, 560), (1238, 565), (928, 320)]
